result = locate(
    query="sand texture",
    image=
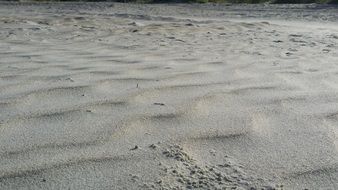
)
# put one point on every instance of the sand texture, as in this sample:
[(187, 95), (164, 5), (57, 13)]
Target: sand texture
[(118, 96)]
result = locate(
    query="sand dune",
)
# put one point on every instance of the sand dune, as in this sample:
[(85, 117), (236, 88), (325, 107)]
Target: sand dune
[(127, 96)]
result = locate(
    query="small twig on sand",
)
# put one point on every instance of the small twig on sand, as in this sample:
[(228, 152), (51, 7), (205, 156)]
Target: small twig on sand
[(159, 104)]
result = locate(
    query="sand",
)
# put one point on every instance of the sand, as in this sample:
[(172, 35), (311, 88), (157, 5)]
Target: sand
[(127, 96)]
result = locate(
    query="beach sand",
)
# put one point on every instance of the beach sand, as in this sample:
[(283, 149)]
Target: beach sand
[(128, 96)]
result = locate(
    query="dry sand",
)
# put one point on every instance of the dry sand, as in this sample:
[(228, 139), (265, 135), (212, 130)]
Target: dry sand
[(118, 96)]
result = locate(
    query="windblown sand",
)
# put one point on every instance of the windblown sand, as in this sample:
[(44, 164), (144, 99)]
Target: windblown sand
[(118, 96)]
